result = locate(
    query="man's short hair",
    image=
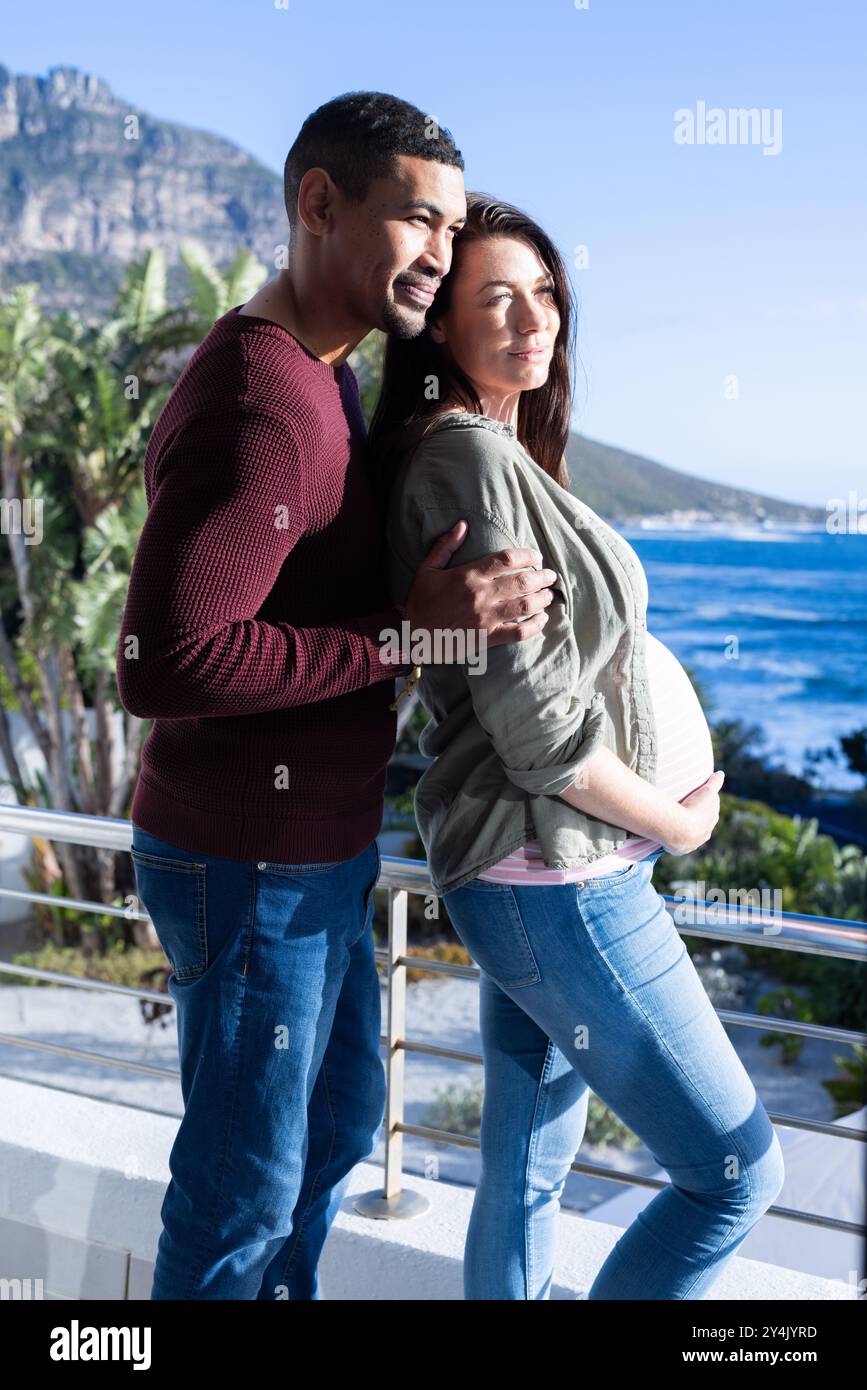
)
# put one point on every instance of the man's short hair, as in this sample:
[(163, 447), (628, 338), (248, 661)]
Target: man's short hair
[(358, 137)]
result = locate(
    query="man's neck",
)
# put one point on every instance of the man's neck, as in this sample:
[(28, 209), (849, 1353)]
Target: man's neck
[(305, 314)]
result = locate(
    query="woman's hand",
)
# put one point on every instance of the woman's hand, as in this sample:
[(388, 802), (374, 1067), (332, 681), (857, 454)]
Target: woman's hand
[(700, 813), (608, 790)]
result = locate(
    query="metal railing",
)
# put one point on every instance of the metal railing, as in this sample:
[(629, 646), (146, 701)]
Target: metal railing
[(735, 923)]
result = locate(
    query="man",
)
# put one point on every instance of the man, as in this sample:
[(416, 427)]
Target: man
[(251, 635)]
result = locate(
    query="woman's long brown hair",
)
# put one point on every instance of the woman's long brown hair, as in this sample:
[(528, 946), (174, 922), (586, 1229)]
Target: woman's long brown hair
[(403, 411)]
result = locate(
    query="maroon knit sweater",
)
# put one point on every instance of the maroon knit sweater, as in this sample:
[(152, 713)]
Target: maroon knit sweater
[(251, 627)]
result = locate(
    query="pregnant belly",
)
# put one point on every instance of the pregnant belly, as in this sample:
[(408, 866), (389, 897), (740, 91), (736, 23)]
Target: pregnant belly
[(684, 761), (684, 748)]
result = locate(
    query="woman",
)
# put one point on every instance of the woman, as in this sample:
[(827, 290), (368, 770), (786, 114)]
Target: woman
[(561, 772)]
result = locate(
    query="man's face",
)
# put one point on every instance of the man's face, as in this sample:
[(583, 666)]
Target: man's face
[(391, 251)]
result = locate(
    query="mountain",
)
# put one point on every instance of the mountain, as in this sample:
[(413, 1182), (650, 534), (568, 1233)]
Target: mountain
[(79, 200), (627, 488)]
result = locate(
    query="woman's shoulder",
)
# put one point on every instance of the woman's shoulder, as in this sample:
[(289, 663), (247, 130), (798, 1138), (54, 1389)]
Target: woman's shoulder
[(459, 451)]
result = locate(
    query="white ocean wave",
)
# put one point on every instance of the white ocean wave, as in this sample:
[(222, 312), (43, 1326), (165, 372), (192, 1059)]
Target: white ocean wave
[(721, 611)]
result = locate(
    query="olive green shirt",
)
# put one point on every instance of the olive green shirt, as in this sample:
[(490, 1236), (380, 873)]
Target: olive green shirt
[(507, 739)]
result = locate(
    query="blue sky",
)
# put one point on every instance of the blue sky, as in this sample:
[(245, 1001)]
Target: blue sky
[(706, 262)]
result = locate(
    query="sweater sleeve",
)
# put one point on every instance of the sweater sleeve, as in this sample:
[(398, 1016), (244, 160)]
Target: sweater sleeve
[(226, 506), (534, 699)]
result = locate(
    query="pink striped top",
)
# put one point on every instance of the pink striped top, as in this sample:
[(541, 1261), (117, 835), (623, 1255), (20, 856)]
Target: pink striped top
[(684, 762)]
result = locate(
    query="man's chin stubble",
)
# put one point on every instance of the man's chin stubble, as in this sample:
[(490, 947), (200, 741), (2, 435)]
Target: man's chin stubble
[(399, 326)]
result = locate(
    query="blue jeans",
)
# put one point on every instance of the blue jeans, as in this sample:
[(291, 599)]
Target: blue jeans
[(590, 986), (278, 1012)]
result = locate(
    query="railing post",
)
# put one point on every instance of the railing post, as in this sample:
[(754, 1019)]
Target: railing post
[(398, 900), (394, 1201)]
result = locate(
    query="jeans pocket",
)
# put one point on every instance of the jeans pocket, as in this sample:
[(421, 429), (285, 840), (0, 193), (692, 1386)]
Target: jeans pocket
[(490, 926), (376, 877), (369, 911), (293, 870), (173, 893), (616, 876)]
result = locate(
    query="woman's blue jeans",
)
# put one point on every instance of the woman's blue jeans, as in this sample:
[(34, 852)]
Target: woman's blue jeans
[(278, 1011), (590, 986)]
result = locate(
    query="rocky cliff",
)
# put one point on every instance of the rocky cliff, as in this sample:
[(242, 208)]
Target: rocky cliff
[(89, 181)]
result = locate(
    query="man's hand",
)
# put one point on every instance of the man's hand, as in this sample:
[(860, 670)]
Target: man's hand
[(505, 593)]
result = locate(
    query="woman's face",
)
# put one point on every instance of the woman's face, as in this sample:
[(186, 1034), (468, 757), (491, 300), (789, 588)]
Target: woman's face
[(502, 322)]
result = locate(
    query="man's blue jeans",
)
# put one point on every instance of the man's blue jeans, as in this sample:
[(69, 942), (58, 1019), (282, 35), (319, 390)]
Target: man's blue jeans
[(278, 1012), (591, 986)]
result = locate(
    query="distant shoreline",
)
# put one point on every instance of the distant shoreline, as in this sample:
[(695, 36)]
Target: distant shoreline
[(717, 526)]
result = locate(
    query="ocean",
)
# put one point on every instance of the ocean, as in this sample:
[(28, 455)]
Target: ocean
[(796, 603)]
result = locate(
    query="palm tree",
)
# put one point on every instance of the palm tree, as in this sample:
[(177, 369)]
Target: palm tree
[(366, 362), (25, 345), (77, 403)]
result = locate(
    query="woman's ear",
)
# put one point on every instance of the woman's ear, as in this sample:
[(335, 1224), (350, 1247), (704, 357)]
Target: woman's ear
[(436, 332)]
